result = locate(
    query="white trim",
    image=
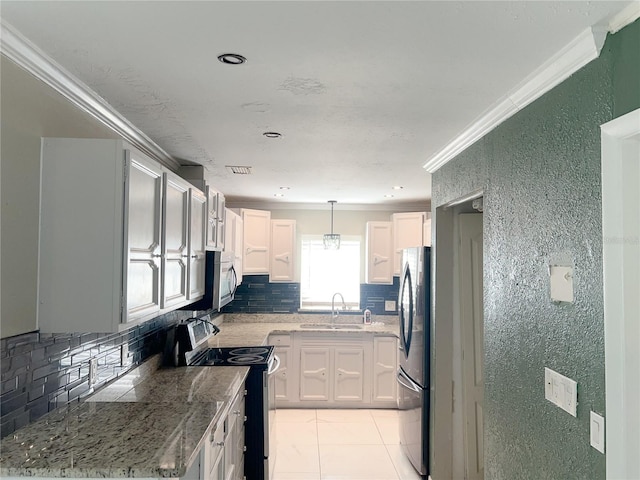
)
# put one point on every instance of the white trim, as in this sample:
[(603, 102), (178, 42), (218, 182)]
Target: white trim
[(620, 143), (580, 51), (29, 57), (629, 15), (387, 207)]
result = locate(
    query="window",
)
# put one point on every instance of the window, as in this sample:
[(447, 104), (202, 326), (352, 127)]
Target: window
[(326, 272)]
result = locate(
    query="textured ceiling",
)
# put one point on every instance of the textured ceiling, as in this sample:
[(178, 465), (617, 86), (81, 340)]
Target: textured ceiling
[(362, 92)]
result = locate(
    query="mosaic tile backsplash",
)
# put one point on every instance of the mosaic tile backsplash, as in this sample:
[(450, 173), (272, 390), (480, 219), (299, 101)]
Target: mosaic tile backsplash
[(256, 295), (41, 372)]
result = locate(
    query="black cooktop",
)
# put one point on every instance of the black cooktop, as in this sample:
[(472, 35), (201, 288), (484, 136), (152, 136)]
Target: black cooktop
[(233, 356)]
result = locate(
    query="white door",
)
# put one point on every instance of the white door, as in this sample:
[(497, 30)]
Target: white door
[(621, 265), (197, 244), (314, 373), (348, 374), (175, 251), (472, 329), (144, 220)]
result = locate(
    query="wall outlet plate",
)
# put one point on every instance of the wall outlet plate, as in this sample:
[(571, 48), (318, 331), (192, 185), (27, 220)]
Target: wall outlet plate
[(596, 431), (389, 305), (93, 371)]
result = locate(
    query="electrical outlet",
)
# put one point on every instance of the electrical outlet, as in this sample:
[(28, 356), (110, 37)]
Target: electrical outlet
[(389, 305), (93, 371)]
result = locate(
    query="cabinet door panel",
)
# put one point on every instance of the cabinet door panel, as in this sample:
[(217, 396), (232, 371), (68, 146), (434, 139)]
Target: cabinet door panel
[(407, 232), (174, 272), (282, 375), (197, 244), (349, 374), (257, 233), (314, 367), (283, 238), (144, 217), (379, 253), (384, 369)]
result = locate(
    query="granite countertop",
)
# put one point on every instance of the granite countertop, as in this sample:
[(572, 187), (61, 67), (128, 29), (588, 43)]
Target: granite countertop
[(152, 421)]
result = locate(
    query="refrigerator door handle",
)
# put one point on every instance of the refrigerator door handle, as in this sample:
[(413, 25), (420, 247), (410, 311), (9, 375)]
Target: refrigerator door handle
[(406, 382)]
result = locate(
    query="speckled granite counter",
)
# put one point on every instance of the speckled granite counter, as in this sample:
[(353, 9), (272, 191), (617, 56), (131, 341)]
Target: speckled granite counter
[(151, 422), (146, 424)]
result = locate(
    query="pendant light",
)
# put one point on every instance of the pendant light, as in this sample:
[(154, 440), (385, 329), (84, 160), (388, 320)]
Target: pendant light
[(331, 240)]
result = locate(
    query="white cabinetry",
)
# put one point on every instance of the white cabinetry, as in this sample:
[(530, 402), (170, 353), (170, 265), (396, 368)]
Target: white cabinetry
[(286, 383), (216, 219), (197, 244), (385, 364), (426, 234), (257, 234), (104, 242), (333, 370), (283, 248), (408, 231), (234, 235), (379, 241)]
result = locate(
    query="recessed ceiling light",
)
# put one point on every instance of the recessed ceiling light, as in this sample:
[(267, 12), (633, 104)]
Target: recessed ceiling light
[(397, 187), (272, 134), (278, 195), (388, 195), (232, 59), (285, 188)]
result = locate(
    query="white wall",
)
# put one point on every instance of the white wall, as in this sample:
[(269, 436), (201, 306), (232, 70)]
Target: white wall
[(30, 110)]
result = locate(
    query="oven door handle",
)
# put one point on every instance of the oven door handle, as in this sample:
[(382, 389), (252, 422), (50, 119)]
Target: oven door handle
[(274, 365)]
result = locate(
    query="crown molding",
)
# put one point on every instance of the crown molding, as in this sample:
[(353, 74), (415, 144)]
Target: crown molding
[(580, 51), (628, 15), (31, 58)]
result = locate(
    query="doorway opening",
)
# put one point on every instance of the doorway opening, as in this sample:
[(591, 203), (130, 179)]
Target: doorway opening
[(621, 265), (458, 433)]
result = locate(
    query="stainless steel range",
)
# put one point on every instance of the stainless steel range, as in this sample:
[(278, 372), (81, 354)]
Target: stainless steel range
[(190, 348)]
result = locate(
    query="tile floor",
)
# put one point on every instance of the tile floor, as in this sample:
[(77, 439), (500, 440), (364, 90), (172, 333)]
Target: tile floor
[(339, 445)]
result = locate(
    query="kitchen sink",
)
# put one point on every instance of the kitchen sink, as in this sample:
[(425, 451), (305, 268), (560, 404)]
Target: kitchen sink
[(332, 326)]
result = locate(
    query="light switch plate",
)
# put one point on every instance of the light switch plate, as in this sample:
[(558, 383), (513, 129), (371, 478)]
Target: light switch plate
[(597, 431), (389, 305), (561, 391), (561, 283)]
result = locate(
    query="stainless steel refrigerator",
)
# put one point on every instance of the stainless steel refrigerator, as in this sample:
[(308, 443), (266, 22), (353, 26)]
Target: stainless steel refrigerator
[(414, 305)]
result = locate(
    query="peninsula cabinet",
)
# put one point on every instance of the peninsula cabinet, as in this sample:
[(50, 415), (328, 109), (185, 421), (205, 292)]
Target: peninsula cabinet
[(117, 242)]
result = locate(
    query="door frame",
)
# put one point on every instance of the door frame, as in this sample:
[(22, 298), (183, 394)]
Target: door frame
[(620, 141)]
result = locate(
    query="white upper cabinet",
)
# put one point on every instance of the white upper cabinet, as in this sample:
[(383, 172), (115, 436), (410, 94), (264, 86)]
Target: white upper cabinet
[(216, 223), (234, 239), (426, 234), (257, 235), (408, 229), (114, 237), (283, 248), (379, 267), (197, 244)]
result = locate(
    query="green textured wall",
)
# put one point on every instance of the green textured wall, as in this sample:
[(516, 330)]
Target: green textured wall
[(540, 171)]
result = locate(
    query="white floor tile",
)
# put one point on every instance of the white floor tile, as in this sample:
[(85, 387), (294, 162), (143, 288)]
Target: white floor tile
[(296, 434), (389, 431), (348, 434), (356, 462), (296, 459), (346, 415), (385, 415), (401, 463), (296, 476), (295, 415)]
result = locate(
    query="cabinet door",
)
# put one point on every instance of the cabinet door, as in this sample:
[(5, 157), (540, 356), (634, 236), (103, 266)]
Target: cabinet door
[(212, 219), (407, 232), (314, 373), (222, 222), (426, 234), (175, 251), (385, 386), (257, 232), (379, 268), (283, 245), (348, 374), (144, 221), (197, 244), (283, 379), (238, 240)]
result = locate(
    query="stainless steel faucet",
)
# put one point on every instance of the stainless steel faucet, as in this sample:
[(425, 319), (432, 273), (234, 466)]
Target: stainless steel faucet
[(334, 311)]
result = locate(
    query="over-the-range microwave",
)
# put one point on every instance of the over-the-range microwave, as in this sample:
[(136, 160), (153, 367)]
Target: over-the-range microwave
[(220, 282)]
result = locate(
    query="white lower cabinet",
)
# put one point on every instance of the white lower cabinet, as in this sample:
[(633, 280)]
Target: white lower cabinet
[(223, 456), (325, 369)]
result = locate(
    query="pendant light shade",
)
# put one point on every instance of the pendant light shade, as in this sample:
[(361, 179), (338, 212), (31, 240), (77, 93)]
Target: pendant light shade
[(331, 240)]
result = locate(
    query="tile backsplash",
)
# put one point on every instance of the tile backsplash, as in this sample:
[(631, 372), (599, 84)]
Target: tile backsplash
[(256, 295), (41, 372)]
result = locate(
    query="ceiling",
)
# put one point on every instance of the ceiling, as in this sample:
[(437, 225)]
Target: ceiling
[(362, 92)]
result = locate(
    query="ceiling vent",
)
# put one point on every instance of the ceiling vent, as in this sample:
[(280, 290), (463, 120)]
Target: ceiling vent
[(238, 170)]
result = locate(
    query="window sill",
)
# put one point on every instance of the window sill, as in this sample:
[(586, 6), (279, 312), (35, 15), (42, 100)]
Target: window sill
[(325, 311)]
